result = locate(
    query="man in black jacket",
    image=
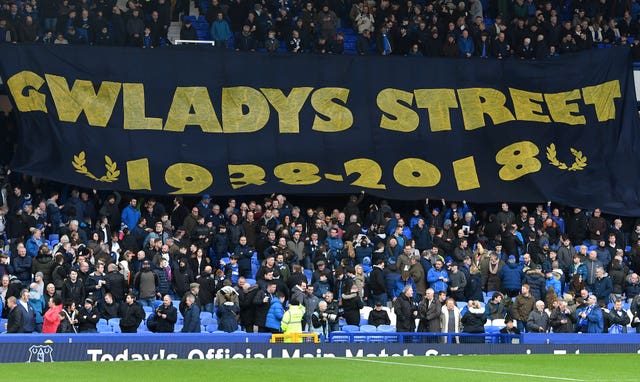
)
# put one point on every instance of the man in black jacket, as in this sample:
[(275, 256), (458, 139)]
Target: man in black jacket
[(377, 284), (88, 317), (166, 316), (131, 314), (14, 325)]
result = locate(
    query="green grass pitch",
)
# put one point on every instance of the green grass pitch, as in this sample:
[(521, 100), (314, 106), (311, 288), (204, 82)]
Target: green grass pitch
[(511, 368)]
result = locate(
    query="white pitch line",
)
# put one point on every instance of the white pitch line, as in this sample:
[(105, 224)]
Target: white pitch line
[(464, 369)]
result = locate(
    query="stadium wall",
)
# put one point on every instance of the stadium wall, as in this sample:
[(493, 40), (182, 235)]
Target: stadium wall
[(29, 348)]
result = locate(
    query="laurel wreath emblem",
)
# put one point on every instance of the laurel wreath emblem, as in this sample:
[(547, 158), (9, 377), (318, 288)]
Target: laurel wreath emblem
[(579, 164), (79, 163)]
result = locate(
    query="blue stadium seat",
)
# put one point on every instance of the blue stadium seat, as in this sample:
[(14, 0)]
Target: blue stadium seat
[(251, 282), (102, 321), (104, 328), (205, 315), (114, 322), (54, 236), (177, 328), (211, 328), (207, 321), (368, 328), (350, 328), (147, 309), (386, 329)]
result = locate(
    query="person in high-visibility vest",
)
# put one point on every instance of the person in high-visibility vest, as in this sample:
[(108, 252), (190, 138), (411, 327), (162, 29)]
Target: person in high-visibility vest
[(292, 320)]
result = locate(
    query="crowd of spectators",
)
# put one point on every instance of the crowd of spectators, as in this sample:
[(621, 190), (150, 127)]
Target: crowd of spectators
[(72, 258), (527, 29)]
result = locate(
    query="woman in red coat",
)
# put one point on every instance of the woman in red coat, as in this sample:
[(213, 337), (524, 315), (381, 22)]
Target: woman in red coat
[(51, 318)]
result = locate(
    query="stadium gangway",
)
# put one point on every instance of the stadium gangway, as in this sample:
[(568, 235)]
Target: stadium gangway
[(423, 337)]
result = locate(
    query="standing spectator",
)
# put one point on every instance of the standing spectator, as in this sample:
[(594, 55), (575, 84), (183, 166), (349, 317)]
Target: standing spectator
[(245, 41), (618, 318), (228, 313), (511, 276), (220, 31), (438, 277), (130, 214), (327, 22), (293, 318), (538, 320), (146, 282), (405, 310), (590, 317), (275, 314), (495, 308), (73, 288), (602, 287), (320, 319), (562, 319), (473, 322), (88, 317), (51, 321), (429, 312), (14, 315), (131, 314), (450, 318), (115, 283), (166, 316), (22, 265), (111, 211), (577, 225), (523, 306), (27, 312)]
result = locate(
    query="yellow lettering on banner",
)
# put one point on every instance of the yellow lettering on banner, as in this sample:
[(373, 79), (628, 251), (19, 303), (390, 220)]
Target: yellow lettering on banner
[(518, 159), (603, 98), (288, 107), (369, 170), (528, 106), (415, 172), (563, 112), (393, 102), (249, 174), (466, 175), (82, 97), (297, 173), (234, 117), (204, 115), (31, 100), (437, 102), (337, 117), (476, 102), (188, 178), (134, 109), (138, 174)]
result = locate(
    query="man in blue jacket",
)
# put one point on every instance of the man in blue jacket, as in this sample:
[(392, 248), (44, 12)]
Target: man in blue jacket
[(28, 314), (191, 316)]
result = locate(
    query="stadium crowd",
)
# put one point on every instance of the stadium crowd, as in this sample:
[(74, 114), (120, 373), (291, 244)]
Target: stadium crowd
[(70, 259), (527, 29)]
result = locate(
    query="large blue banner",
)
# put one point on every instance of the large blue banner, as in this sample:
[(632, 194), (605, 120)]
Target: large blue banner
[(188, 121)]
